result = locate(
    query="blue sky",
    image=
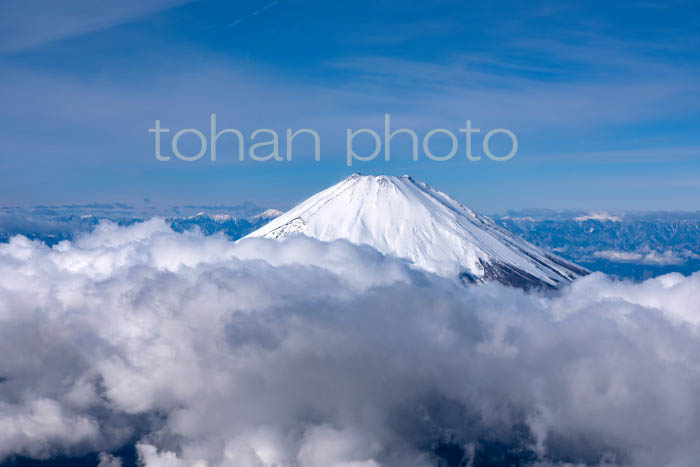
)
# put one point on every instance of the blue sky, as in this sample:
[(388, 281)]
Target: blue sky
[(604, 97)]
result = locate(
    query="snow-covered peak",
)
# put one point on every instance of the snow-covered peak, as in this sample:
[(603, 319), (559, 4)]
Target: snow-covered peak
[(599, 216), (409, 219), (268, 214), (222, 217)]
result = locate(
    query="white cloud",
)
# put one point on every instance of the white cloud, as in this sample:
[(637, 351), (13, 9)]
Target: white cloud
[(598, 216), (107, 460), (28, 427), (667, 257), (306, 354)]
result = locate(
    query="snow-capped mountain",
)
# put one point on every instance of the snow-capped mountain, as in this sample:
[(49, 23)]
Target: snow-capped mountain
[(406, 218)]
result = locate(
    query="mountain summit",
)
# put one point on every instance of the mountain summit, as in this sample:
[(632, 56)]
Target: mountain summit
[(406, 218)]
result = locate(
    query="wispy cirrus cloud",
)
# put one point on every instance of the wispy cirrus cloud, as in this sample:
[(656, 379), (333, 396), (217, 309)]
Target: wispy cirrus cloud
[(27, 24), (563, 85), (255, 13)]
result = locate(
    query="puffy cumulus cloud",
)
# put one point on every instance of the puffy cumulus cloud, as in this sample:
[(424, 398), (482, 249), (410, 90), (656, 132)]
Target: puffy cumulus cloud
[(108, 460), (210, 353), (42, 420)]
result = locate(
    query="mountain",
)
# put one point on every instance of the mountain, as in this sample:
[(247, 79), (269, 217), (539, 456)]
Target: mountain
[(54, 224), (630, 245), (233, 227), (406, 218)]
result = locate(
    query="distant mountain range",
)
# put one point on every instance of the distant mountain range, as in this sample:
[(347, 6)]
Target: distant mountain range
[(627, 244), (54, 224), (632, 245)]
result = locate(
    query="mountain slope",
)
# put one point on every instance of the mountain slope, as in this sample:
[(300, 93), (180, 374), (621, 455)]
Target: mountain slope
[(409, 219)]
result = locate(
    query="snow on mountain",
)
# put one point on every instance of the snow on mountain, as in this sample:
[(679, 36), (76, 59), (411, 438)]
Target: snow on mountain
[(406, 218), (599, 216), (222, 217), (268, 214)]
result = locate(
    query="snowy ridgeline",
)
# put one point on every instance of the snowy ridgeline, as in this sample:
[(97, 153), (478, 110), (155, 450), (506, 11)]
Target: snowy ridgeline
[(406, 218)]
